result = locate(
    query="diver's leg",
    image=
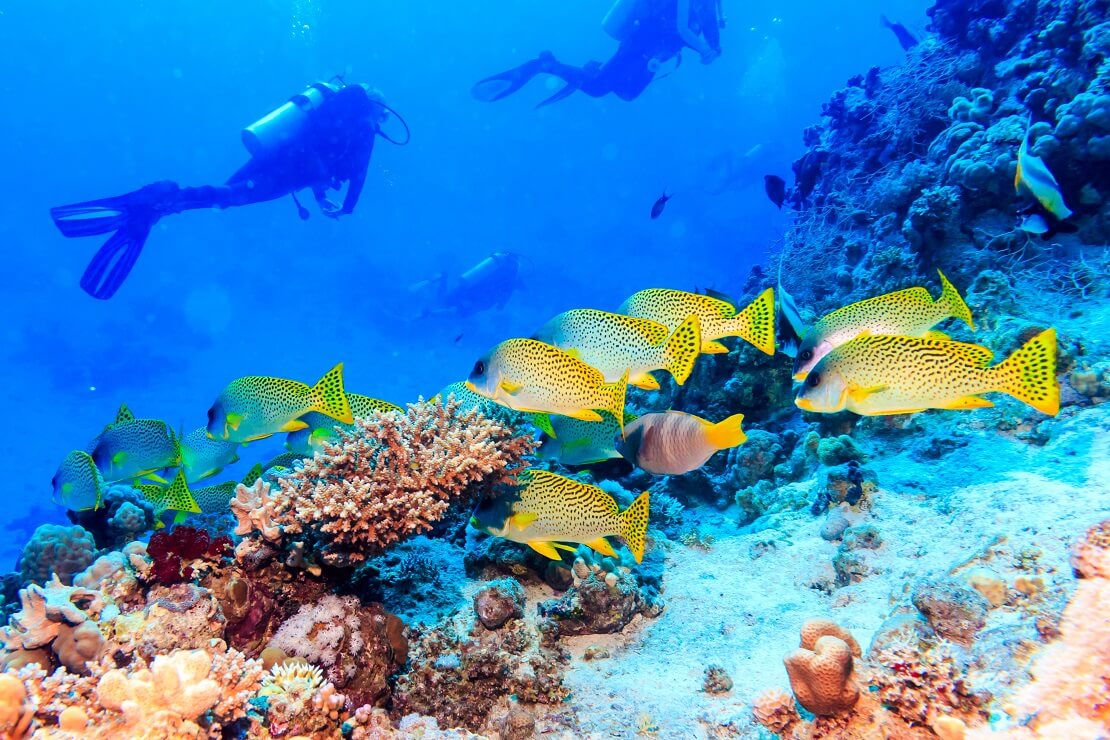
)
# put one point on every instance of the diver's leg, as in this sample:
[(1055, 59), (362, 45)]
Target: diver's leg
[(498, 86)]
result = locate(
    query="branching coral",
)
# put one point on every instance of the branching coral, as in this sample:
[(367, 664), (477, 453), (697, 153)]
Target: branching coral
[(392, 477)]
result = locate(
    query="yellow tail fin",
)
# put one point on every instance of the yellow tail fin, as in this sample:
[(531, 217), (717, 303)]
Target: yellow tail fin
[(634, 521), (1029, 375), (329, 397), (756, 323), (726, 434), (682, 349), (953, 302), (615, 393)]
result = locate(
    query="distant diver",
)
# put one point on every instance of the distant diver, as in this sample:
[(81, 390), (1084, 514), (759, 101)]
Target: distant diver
[(319, 139), (905, 38), (488, 284), (650, 32)]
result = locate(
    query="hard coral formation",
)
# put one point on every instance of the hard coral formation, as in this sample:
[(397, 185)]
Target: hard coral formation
[(822, 670), (393, 476), (54, 549)]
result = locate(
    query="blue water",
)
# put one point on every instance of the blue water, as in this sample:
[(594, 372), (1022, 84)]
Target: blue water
[(101, 98)]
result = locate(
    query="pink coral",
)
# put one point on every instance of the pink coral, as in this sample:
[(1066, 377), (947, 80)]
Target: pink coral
[(393, 476)]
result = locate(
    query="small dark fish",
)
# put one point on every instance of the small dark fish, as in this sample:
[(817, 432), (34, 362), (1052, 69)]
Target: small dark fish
[(776, 189), (458, 338), (659, 205), (905, 38)]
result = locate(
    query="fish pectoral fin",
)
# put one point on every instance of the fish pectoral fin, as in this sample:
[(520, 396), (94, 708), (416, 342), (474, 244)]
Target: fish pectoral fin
[(895, 412), (967, 402), (713, 348), (859, 393), (256, 437), (561, 546), (585, 415), (523, 519), (546, 549), (510, 387), (601, 545), (543, 421), (156, 478), (234, 420), (293, 425), (644, 381)]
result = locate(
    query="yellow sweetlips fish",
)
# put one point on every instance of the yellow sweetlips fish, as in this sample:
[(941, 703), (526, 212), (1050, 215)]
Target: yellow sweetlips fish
[(717, 316), (136, 448), (78, 484), (548, 509), (1034, 177), (876, 375), (203, 457), (122, 415), (527, 375), (576, 442), (674, 442), (614, 344), (911, 312), (256, 406), (321, 427)]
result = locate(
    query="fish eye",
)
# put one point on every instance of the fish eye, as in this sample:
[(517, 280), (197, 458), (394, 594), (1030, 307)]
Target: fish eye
[(807, 354), (479, 368), (813, 380)]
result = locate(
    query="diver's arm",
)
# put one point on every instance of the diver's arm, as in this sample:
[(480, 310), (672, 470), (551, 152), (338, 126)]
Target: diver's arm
[(354, 187), (691, 39)]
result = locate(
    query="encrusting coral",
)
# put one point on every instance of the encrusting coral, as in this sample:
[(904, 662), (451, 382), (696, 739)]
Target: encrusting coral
[(393, 476)]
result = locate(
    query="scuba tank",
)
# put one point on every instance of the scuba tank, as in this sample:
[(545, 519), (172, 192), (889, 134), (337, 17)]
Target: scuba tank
[(281, 125), (620, 18)]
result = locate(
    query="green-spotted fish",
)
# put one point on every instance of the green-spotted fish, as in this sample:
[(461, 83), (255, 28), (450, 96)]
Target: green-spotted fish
[(874, 375), (216, 498), (256, 406), (122, 415), (718, 317), (174, 497), (136, 448), (321, 428), (548, 509), (911, 312), (78, 484), (615, 344), (283, 461), (203, 457), (577, 442), (674, 442), (527, 375)]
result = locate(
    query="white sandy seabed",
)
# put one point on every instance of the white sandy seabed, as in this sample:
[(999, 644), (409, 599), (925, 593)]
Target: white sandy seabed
[(740, 603)]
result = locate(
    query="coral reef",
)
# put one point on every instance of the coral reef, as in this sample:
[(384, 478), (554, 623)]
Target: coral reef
[(392, 477), (57, 550)]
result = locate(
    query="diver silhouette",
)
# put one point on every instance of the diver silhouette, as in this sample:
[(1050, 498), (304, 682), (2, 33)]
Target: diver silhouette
[(319, 139), (650, 32)]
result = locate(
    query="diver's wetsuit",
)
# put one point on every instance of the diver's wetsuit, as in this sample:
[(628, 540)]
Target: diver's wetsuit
[(653, 35), (334, 146)]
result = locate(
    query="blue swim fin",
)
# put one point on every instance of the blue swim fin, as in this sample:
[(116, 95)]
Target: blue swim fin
[(496, 87), (91, 217), (564, 92), (112, 263)]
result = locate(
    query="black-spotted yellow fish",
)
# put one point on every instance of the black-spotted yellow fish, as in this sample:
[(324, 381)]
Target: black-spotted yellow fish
[(875, 375), (674, 442), (174, 497), (717, 316), (547, 510), (321, 428), (136, 448), (575, 442), (527, 375), (1034, 177), (616, 344), (78, 484), (203, 457), (256, 406), (911, 312)]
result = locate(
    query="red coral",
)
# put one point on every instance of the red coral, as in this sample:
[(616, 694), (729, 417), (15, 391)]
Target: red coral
[(172, 550), (394, 476)]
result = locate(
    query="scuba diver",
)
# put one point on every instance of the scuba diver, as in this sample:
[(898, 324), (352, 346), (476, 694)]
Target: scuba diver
[(650, 32), (488, 284), (319, 139)]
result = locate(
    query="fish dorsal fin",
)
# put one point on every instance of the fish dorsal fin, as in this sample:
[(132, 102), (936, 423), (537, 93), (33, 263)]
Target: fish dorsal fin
[(978, 355), (543, 421), (124, 414), (652, 332), (937, 336)]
